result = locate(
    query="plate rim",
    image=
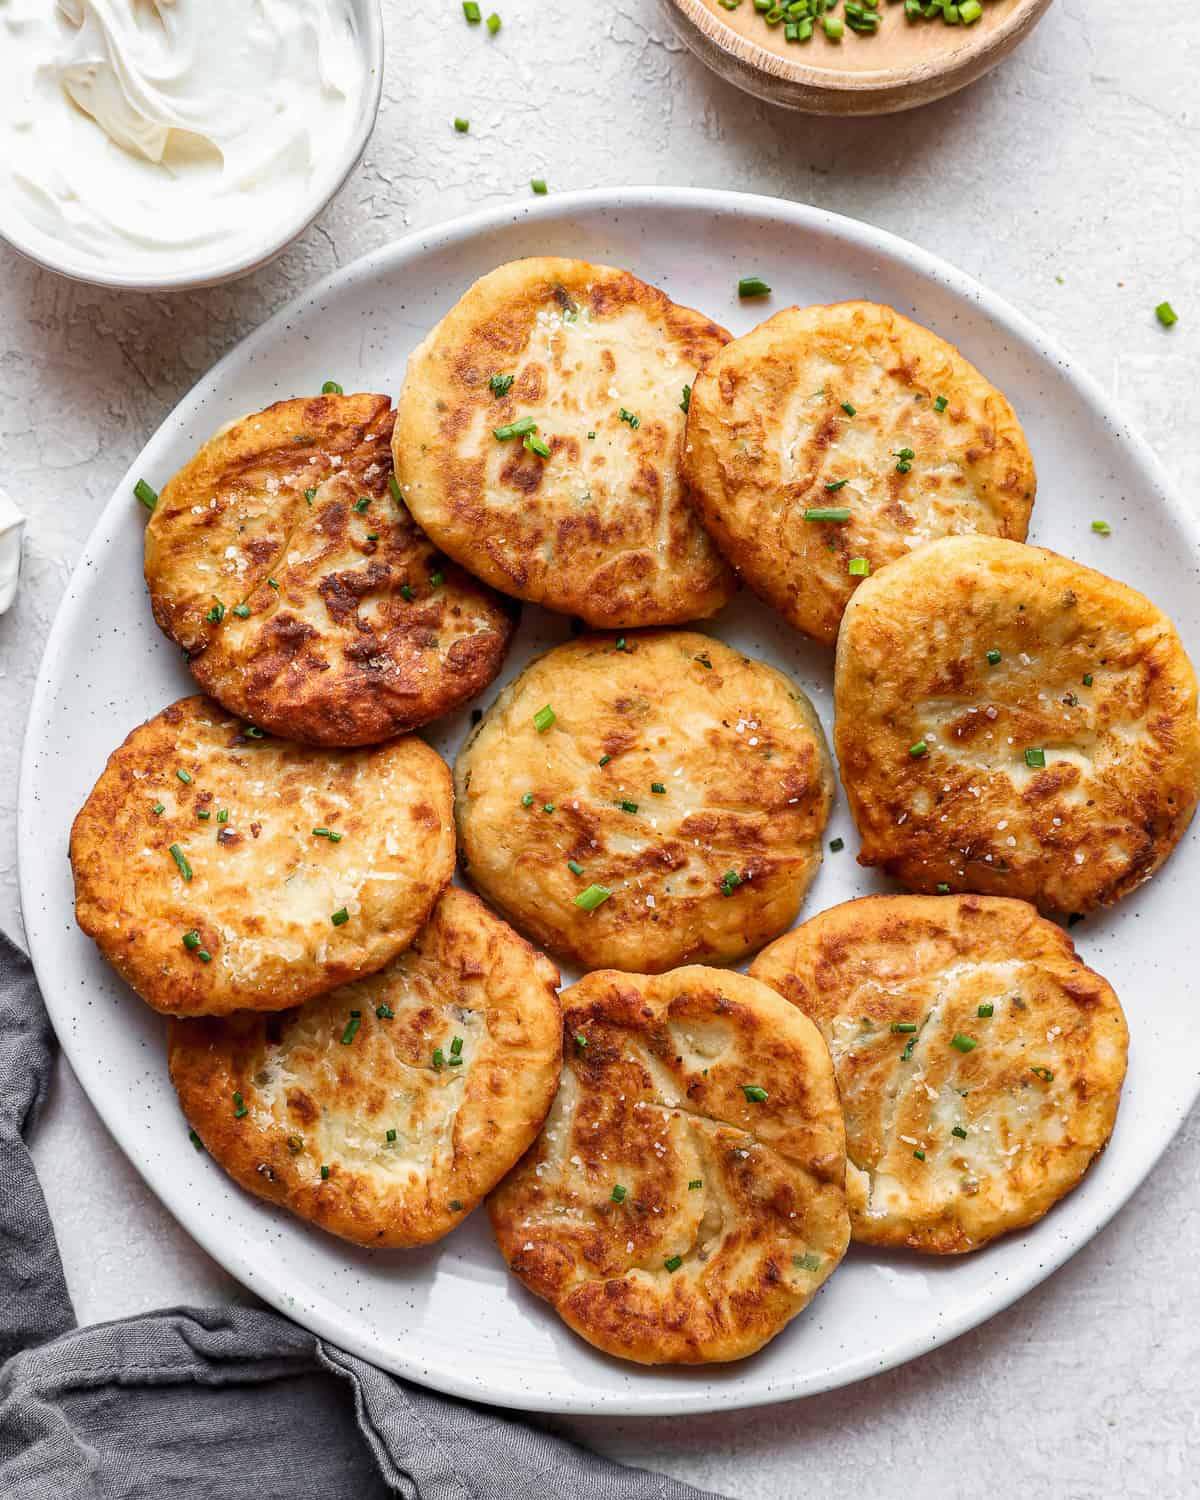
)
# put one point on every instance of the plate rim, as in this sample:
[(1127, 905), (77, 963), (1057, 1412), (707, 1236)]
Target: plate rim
[(272, 1287)]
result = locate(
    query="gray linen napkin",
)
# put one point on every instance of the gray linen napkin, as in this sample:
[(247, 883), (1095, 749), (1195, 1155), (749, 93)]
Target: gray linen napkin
[(212, 1404)]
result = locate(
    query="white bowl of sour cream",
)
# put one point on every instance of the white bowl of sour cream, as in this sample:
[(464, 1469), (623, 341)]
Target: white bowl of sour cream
[(163, 144)]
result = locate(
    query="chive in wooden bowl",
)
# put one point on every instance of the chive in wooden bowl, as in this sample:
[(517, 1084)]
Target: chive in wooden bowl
[(829, 57)]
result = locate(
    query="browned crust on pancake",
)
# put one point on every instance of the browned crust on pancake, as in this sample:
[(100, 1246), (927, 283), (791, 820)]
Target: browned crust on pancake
[(602, 528), (1036, 1096), (652, 1100), (336, 654), (314, 1099), (263, 888)]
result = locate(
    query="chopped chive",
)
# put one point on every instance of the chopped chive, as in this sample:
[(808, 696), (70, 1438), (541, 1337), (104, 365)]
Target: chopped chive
[(753, 286), (436, 580), (456, 1047), (340, 917), (807, 1262), (385, 1012), (204, 956), (906, 1055), (493, 23), (1164, 312), (592, 897), (180, 859), (959, 1132), (461, 125), (730, 882), (695, 1183), (324, 1174), (158, 809), (658, 788), (919, 749), (906, 454), (439, 1059), (986, 1010), (273, 584), (397, 492), (685, 404), (618, 1193), (1101, 528), (673, 1263), (1036, 759), (1044, 1074), (626, 806), (827, 513), (534, 444), (514, 429), (919, 1154), (191, 939), (837, 845), (455, 1206), (351, 1027), (993, 656), (591, 436), (500, 385), (331, 388), (472, 12), (184, 777), (621, 645), (239, 1106), (203, 813), (904, 1026), (851, 411), (755, 1093), (527, 800), (327, 833), (195, 1140), (833, 28), (406, 592), (704, 661), (837, 484), (627, 416), (963, 1043), (942, 888), (604, 760), (575, 867), (390, 1135), (580, 1039), (547, 807), (372, 536), (1088, 679), (310, 495), (361, 504), (242, 611), (538, 184), (969, 12), (940, 403), (252, 731), (149, 497), (543, 719), (216, 614)]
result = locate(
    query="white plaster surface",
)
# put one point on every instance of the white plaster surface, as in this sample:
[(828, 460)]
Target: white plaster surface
[(1067, 182)]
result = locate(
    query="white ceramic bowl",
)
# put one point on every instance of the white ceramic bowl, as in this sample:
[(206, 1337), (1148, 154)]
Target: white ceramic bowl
[(61, 258)]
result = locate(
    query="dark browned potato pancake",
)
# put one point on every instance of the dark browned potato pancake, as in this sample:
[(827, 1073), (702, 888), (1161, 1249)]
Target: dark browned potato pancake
[(980, 1062), (282, 559), (1011, 722), (686, 1196), (599, 524), (851, 408), (218, 869), (670, 809), (385, 1110)]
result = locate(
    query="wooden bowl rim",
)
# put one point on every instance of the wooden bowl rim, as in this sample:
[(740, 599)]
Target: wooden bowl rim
[(1022, 16)]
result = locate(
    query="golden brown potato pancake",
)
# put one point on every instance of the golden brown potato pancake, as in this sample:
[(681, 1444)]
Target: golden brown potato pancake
[(1011, 722), (219, 869), (855, 410), (980, 1062), (686, 1196), (597, 363), (283, 561), (688, 782), (385, 1110)]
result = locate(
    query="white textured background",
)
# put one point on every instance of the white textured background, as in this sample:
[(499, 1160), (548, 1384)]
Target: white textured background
[(1067, 182)]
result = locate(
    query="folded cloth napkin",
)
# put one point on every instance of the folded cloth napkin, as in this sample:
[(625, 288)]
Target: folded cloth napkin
[(225, 1402)]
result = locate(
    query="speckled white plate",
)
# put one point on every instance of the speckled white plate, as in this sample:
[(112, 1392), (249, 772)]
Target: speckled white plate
[(450, 1316)]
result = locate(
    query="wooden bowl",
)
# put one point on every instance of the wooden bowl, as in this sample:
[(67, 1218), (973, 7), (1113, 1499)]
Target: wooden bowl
[(905, 64)]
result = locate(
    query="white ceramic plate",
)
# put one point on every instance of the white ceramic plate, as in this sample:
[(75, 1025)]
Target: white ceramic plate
[(450, 1316)]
